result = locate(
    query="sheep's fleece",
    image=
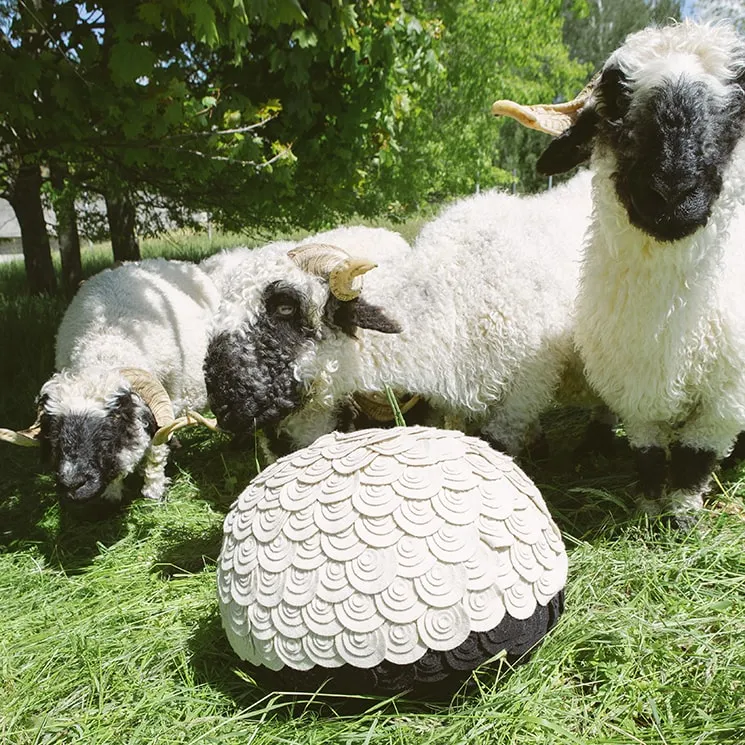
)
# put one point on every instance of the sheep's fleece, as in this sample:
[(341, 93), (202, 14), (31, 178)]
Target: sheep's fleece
[(484, 300), (661, 313)]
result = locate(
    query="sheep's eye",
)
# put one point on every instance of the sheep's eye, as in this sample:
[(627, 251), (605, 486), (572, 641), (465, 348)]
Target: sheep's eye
[(285, 310), (282, 306), (283, 302)]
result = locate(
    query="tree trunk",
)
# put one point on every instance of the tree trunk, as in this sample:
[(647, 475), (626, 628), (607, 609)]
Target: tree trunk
[(121, 215), (67, 229), (25, 198)]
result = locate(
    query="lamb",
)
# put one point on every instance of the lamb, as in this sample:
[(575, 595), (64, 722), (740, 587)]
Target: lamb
[(661, 315), (476, 318), (129, 355)]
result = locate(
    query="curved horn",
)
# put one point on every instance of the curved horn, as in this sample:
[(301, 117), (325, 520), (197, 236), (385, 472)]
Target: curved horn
[(22, 437), (553, 119), (375, 404), (190, 419), (28, 438), (334, 264), (152, 392)]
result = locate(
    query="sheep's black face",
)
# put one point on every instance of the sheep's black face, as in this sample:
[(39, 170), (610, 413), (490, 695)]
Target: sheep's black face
[(249, 373), (86, 450), (672, 148)]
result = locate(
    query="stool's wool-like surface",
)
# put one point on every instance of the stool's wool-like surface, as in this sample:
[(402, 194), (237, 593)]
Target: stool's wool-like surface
[(388, 560)]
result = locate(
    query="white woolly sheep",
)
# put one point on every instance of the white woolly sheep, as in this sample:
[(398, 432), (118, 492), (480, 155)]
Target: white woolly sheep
[(661, 312), (483, 303), (129, 355)]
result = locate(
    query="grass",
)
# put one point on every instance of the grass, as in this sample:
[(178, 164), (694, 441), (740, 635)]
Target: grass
[(109, 630)]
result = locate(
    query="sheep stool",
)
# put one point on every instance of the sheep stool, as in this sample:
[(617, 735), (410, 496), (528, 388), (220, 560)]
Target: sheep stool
[(389, 560)]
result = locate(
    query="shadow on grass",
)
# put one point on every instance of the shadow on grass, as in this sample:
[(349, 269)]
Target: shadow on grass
[(215, 664), (263, 692), (220, 468), (215, 471), (260, 690), (189, 555), (589, 494), (67, 536)]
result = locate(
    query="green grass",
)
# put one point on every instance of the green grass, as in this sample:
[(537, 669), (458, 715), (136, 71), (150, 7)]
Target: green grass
[(109, 630)]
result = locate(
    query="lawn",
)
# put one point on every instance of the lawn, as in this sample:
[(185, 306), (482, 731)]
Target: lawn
[(109, 631)]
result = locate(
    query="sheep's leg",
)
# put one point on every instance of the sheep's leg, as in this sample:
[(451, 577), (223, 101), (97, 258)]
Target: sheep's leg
[(154, 472), (514, 423), (512, 428), (507, 435), (648, 442), (600, 436), (307, 425), (113, 492), (705, 439), (690, 472)]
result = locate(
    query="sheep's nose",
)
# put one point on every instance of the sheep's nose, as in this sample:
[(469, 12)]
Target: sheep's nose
[(76, 485), (669, 205), (680, 201), (649, 200)]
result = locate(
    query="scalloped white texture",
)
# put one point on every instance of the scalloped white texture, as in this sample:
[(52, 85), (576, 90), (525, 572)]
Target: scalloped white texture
[(381, 544)]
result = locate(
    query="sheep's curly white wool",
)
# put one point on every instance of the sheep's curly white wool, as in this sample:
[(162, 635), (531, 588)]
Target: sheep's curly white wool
[(232, 269), (389, 559), (151, 315), (485, 299)]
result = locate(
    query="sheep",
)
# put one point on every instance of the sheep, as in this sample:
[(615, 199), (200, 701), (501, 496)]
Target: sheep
[(660, 321), (476, 318), (129, 354), (240, 275)]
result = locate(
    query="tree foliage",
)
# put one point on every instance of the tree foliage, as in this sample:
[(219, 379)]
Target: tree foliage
[(450, 144), (256, 110), (594, 28)]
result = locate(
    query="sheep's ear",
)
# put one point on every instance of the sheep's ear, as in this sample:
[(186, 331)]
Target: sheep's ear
[(129, 407), (572, 147), (358, 313), (372, 317)]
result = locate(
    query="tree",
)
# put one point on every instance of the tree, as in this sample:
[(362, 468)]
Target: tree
[(449, 143), (200, 101), (22, 189), (63, 201)]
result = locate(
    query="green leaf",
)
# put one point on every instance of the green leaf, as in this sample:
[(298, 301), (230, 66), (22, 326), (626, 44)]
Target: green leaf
[(288, 11), (205, 25), (129, 61), (150, 13), (305, 37)]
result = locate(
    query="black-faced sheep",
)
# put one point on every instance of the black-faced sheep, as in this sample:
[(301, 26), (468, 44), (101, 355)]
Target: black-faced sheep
[(129, 356), (258, 331), (661, 313)]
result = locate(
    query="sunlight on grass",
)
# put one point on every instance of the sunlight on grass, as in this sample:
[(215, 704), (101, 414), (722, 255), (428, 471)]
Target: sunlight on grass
[(110, 630)]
